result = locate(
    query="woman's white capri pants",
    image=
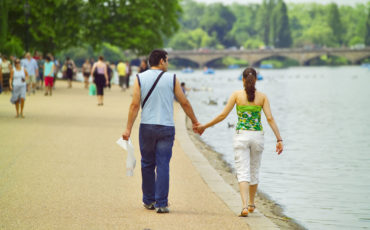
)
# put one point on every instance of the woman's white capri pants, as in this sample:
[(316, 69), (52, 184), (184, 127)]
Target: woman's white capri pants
[(248, 148)]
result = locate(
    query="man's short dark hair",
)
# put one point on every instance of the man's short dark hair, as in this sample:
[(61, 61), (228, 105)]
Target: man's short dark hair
[(156, 56)]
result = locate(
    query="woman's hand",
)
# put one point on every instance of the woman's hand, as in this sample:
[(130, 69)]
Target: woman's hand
[(200, 129), (279, 147)]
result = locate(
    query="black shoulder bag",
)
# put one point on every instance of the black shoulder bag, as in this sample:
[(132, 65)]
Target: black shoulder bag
[(151, 89)]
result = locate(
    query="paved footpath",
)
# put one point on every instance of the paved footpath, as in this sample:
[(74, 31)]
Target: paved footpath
[(60, 168)]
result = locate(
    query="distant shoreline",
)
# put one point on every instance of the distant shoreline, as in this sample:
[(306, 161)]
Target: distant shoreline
[(264, 204)]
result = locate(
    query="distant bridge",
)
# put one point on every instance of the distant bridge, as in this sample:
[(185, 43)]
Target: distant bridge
[(254, 57)]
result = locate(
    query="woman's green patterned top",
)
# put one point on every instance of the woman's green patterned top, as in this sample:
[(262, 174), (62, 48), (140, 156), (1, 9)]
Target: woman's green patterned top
[(249, 117)]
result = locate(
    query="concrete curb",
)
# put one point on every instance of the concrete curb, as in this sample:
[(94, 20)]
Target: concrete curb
[(256, 220)]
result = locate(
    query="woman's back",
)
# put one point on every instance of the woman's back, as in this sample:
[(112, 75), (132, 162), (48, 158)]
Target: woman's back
[(242, 99), (100, 67), (249, 113)]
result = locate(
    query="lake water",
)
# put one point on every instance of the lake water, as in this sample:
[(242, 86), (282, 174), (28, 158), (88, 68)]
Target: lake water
[(322, 179)]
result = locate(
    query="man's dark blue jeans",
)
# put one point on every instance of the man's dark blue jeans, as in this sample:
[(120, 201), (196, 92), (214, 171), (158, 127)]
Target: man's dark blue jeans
[(156, 143)]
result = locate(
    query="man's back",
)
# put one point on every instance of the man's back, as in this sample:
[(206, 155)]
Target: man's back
[(158, 109)]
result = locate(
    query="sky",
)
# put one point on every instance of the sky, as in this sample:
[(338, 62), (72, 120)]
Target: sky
[(339, 2)]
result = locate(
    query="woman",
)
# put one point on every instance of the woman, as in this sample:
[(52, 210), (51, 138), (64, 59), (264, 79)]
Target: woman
[(17, 83), (248, 140), (86, 70), (70, 70), (100, 75), (5, 69)]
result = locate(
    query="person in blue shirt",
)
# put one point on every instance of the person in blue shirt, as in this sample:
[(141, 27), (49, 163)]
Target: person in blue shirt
[(157, 128)]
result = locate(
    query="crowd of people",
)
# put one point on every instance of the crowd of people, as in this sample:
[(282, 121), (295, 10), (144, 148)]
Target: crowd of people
[(157, 131), (40, 72)]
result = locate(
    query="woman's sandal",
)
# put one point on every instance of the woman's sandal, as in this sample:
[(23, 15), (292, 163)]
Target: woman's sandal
[(244, 212), (251, 207)]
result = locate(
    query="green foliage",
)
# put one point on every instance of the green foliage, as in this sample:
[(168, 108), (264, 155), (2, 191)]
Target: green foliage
[(280, 62), (329, 60), (282, 37), (253, 44), (194, 39), (218, 20), (334, 22), (367, 34), (193, 14), (79, 54), (13, 46), (55, 25), (234, 61), (244, 28), (272, 23)]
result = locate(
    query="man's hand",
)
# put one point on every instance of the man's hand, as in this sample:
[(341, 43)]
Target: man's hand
[(126, 135), (201, 129), (196, 128)]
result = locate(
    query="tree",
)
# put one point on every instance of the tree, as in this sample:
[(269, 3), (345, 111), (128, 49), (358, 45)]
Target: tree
[(244, 27), (367, 35), (264, 20), (136, 25), (334, 22), (282, 36), (55, 25), (218, 20), (192, 15), (194, 39)]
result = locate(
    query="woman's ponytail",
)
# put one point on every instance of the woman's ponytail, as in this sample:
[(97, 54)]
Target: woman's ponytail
[(250, 78)]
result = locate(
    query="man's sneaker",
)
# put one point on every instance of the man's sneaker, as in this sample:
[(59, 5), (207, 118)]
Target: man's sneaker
[(149, 206), (162, 210)]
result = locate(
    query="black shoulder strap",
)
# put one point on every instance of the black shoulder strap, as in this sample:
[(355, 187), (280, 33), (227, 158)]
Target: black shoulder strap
[(151, 90)]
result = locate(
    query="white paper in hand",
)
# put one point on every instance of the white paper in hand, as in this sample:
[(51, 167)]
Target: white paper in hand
[(131, 160)]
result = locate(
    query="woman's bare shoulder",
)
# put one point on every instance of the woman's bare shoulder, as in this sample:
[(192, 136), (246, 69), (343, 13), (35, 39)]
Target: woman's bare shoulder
[(260, 94)]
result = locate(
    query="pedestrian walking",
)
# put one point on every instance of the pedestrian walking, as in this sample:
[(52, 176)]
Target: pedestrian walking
[(70, 69), (5, 69), (128, 73), (121, 69), (49, 75), (18, 86), (40, 79), (32, 68), (100, 75), (248, 140), (154, 90), (86, 70), (110, 74)]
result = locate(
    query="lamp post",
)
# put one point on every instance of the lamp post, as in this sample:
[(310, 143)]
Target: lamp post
[(27, 14)]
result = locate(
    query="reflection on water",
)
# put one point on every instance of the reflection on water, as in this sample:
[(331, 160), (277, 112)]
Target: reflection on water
[(322, 179)]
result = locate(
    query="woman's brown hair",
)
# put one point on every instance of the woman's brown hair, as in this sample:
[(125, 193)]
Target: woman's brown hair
[(250, 77)]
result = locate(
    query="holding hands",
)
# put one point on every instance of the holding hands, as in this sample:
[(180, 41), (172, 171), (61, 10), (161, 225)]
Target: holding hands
[(197, 128)]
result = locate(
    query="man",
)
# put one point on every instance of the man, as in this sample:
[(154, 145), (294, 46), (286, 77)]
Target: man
[(128, 73), (32, 68), (157, 131), (121, 69)]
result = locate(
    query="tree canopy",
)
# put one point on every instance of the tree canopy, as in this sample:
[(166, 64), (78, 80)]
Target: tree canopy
[(54, 25), (272, 24)]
